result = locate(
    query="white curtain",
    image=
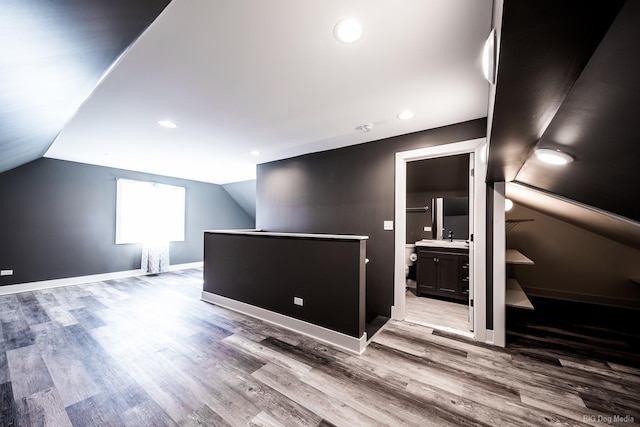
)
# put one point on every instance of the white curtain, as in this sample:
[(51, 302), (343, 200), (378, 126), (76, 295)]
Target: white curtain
[(155, 257)]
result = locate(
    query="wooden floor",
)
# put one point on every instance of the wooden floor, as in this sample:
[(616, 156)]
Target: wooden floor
[(439, 313), (147, 352)]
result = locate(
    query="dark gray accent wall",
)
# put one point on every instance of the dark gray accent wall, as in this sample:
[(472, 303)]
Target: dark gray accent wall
[(418, 218), (269, 271), (57, 220), (348, 191)]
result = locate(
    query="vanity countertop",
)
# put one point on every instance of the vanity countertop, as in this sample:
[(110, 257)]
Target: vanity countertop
[(460, 244)]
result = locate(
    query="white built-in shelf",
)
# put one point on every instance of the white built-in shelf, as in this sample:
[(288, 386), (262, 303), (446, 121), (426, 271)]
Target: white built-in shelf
[(514, 256), (515, 296)]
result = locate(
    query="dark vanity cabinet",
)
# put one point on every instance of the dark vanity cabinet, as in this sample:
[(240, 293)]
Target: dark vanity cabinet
[(443, 272)]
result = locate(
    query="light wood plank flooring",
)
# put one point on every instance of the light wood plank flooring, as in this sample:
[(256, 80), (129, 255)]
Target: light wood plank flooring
[(147, 352), (437, 313)]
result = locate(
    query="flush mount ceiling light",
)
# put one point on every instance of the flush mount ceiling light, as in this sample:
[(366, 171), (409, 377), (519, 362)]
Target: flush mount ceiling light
[(489, 58), (365, 127), (348, 31), (553, 157), (255, 153), (168, 124), (405, 115)]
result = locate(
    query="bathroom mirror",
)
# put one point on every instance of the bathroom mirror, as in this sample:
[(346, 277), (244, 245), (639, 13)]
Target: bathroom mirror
[(450, 218)]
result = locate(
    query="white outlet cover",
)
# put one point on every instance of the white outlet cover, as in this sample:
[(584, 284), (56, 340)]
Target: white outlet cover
[(388, 225), (6, 272), (298, 301), (427, 228)]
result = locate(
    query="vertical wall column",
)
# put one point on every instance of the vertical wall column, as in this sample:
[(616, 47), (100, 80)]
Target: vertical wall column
[(498, 266)]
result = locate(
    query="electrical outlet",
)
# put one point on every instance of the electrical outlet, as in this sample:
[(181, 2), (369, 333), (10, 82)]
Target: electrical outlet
[(427, 228), (6, 272), (298, 301), (388, 225)]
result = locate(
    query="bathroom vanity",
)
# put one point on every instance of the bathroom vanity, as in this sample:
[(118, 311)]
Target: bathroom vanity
[(443, 269)]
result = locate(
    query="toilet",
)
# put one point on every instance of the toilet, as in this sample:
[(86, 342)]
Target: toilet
[(410, 258)]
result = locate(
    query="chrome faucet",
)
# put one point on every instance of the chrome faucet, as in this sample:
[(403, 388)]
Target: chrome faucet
[(450, 236)]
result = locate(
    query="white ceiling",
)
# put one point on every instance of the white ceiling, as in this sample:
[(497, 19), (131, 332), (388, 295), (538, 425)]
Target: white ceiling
[(249, 75)]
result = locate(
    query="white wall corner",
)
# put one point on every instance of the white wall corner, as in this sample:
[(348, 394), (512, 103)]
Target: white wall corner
[(499, 266)]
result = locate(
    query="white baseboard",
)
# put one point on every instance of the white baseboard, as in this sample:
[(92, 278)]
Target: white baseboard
[(67, 281), (337, 339), (185, 266), (396, 313)]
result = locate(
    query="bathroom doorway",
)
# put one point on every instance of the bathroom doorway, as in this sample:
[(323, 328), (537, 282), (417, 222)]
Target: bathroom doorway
[(467, 318), (437, 229)]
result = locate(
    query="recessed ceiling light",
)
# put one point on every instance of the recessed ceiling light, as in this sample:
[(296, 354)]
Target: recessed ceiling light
[(405, 115), (348, 31), (255, 153), (167, 124), (553, 157)]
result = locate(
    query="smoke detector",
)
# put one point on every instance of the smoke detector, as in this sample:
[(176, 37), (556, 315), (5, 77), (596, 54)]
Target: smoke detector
[(365, 127)]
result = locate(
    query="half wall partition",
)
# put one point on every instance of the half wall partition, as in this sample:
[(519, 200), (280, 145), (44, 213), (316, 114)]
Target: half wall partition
[(310, 283)]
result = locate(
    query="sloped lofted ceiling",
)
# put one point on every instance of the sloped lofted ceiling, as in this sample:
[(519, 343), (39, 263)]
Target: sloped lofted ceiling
[(241, 75), (568, 79), (53, 54)]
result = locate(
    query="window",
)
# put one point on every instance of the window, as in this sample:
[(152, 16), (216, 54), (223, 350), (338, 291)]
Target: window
[(149, 212)]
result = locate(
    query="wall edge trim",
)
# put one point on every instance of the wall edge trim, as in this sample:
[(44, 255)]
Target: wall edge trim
[(80, 280), (337, 339), (578, 297)]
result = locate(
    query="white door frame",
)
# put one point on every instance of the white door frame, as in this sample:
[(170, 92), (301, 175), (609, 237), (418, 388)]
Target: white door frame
[(499, 267), (477, 264)]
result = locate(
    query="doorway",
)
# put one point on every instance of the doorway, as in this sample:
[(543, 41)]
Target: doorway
[(438, 228), (473, 151)]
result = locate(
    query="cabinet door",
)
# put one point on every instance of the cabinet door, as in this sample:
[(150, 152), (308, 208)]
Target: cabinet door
[(427, 271), (448, 274)]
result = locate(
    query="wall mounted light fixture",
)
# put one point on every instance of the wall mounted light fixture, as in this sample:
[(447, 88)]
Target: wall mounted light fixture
[(489, 58)]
